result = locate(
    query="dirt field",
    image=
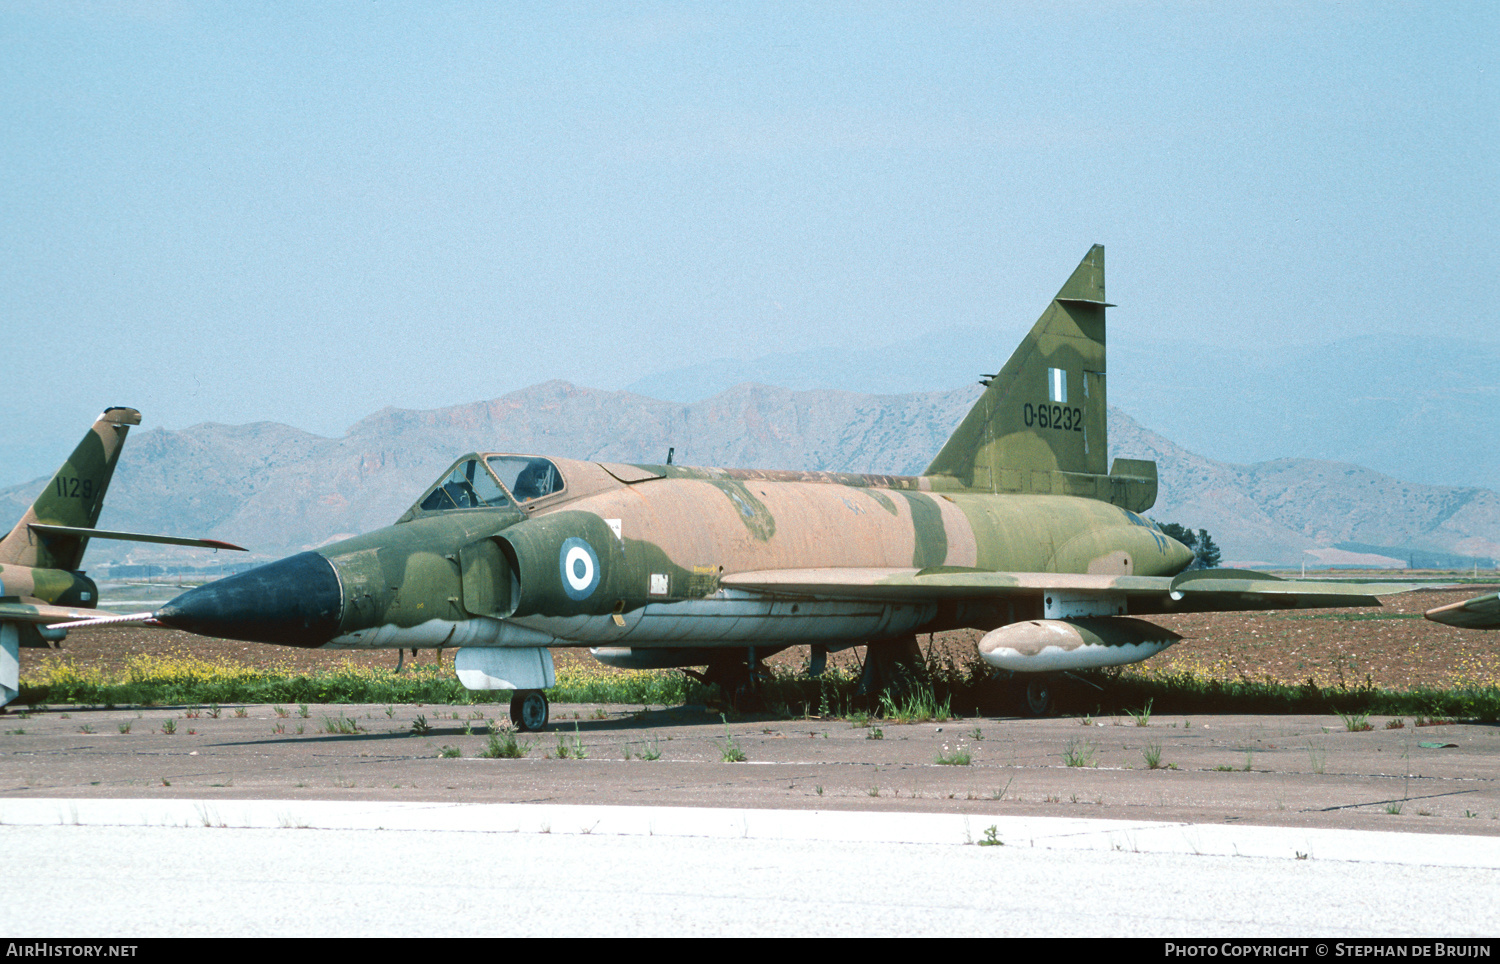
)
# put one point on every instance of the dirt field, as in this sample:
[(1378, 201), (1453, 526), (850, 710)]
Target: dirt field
[(1393, 646)]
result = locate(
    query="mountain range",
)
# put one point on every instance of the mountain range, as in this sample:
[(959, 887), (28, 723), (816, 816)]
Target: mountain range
[(277, 489), (1427, 410)]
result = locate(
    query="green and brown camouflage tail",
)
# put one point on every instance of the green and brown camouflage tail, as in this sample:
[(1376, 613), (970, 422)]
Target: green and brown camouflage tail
[(1040, 426), (73, 498)]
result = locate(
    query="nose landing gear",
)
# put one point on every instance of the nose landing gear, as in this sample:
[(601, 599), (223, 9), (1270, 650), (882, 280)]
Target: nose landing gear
[(529, 710)]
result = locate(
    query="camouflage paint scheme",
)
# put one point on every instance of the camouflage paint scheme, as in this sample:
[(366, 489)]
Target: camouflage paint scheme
[(1016, 520), (40, 581), (1481, 612)]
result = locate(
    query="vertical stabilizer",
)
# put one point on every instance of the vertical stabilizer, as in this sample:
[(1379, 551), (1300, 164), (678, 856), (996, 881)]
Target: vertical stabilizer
[(1045, 410), (73, 497), (1040, 426)]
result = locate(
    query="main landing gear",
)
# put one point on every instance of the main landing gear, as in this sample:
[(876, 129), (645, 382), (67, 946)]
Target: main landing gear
[(1034, 694), (529, 710), (738, 677), (893, 667)]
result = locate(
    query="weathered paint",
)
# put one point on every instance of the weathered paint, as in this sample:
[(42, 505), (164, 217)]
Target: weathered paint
[(1481, 612), (40, 556), (1020, 516), (73, 497), (1055, 645)]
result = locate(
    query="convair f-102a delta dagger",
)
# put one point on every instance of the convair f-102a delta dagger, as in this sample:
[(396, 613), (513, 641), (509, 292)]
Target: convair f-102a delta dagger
[(1018, 527)]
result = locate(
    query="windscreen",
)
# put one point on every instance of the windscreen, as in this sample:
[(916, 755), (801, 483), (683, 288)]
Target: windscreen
[(468, 486)]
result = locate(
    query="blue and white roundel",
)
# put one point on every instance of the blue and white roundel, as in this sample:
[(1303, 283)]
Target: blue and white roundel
[(580, 568)]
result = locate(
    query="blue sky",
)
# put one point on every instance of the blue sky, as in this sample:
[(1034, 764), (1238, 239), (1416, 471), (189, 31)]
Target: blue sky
[(307, 212)]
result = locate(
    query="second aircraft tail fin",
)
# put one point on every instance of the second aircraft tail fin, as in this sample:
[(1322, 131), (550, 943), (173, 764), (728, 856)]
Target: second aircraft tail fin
[(72, 498)]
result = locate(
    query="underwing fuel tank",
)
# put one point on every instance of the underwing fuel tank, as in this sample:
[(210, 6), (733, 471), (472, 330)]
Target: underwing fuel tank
[(1057, 645)]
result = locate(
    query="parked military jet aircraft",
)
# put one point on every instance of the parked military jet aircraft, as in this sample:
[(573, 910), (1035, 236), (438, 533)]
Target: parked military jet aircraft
[(1017, 527), (39, 579), (1481, 612)]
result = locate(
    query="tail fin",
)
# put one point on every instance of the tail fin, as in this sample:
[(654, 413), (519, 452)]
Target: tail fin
[(73, 498), (1040, 426)]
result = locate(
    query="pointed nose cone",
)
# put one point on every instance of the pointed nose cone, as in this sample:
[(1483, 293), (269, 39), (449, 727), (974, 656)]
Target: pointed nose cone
[(295, 601), (1179, 556)]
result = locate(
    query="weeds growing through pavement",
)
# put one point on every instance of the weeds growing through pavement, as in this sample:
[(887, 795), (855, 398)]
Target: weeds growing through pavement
[(169, 727), (340, 724), (918, 706), (1152, 755), (503, 745), (1318, 757), (991, 837), (573, 749), (1355, 722), (125, 727), (281, 711), (959, 756), (1143, 718), (450, 752), (420, 726), (729, 751), (1079, 753)]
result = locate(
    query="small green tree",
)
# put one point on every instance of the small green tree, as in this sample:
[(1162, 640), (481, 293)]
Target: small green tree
[(1205, 550)]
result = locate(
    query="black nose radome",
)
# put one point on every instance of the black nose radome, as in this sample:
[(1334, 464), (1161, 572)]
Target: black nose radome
[(295, 601)]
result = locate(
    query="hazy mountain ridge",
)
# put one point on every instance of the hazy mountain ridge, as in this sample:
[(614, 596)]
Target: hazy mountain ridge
[(1432, 398), (278, 489)]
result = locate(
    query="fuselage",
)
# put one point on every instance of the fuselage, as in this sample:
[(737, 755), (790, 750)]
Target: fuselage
[(637, 556)]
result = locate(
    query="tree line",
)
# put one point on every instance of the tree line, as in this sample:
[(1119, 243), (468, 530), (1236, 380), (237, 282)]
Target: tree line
[(1205, 551)]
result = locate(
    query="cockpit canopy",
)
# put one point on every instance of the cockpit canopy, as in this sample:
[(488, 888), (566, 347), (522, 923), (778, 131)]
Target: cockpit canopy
[(494, 481), (527, 477)]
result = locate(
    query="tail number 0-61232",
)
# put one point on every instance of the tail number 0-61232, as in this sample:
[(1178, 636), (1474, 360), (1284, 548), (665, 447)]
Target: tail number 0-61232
[(1064, 418)]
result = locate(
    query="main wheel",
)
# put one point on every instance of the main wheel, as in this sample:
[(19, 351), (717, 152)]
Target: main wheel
[(1036, 697), (529, 710)]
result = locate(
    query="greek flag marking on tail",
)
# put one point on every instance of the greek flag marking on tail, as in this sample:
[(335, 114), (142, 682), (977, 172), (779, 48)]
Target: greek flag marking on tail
[(1057, 385)]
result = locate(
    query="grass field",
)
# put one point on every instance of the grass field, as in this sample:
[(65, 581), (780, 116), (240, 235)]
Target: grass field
[(1383, 661)]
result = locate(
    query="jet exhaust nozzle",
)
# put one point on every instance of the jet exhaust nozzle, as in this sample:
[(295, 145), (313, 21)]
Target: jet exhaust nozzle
[(1059, 645), (295, 601)]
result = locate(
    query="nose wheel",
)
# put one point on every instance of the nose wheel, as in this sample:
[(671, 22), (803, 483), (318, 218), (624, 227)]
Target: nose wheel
[(529, 710)]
